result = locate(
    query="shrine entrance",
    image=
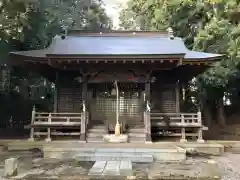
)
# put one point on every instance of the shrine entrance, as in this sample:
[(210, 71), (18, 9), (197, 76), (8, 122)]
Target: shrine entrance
[(102, 100)]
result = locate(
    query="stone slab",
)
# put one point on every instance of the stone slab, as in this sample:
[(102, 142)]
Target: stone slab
[(111, 138), (114, 157), (117, 154), (97, 168), (126, 168), (112, 168), (205, 148), (11, 167), (116, 150)]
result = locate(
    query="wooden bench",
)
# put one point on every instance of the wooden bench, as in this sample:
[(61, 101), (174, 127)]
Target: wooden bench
[(182, 122), (53, 122)]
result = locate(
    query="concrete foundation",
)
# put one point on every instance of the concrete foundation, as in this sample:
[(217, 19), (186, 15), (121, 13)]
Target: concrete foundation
[(167, 153), (112, 138), (204, 148)]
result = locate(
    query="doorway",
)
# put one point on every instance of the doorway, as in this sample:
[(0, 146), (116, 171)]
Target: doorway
[(103, 103)]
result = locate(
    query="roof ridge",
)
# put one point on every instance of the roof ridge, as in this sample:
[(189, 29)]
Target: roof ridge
[(118, 33)]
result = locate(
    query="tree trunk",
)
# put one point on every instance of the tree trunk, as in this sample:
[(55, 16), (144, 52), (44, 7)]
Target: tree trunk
[(206, 109), (207, 115), (221, 113)]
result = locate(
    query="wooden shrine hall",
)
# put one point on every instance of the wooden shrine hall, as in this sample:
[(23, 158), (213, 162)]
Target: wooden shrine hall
[(150, 69)]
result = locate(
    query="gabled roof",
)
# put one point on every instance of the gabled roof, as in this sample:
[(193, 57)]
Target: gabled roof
[(118, 44)]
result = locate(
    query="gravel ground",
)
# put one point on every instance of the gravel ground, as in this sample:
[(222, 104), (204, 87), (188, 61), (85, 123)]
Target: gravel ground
[(229, 165)]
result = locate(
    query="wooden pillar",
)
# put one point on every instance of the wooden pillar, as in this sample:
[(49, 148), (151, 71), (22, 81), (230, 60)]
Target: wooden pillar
[(200, 130), (48, 139), (177, 97), (83, 121), (84, 91), (183, 133), (147, 119), (56, 93), (32, 123), (83, 127)]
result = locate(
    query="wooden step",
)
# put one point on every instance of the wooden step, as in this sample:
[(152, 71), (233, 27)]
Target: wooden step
[(95, 139), (136, 130), (97, 130), (140, 135), (137, 141), (96, 134), (98, 127)]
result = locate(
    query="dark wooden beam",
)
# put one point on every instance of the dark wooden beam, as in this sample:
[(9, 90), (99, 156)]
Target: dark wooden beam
[(177, 88), (147, 114), (118, 66), (56, 93)]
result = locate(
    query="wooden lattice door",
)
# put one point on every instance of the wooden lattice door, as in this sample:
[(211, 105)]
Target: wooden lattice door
[(103, 103)]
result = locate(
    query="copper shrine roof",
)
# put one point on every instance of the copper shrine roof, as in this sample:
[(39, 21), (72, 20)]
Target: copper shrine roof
[(118, 44)]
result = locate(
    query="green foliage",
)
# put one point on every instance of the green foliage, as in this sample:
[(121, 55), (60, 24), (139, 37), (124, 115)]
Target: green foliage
[(204, 25), (82, 14), (13, 17), (31, 24)]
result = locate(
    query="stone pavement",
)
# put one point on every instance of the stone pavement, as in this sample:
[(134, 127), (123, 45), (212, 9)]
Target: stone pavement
[(33, 167), (229, 165), (111, 168)]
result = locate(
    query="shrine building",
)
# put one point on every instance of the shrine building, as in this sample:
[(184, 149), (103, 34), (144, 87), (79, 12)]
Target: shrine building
[(150, 69)]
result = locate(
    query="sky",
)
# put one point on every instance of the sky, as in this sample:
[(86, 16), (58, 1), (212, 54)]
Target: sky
[(113, 8)]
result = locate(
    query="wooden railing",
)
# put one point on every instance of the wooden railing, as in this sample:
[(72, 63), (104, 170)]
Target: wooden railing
[(180, 121), (177, 119), (51, 122), (147, 124)]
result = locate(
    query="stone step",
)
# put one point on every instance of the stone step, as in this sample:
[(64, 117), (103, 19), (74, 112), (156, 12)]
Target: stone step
[(97, 168), (126, 168), (137, 152), (111, 168), (101, 156)]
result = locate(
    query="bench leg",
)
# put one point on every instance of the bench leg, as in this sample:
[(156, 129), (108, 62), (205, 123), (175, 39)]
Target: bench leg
[(83, 137), (31, 135), (48, 139), (148, 138), (200, 136), (183, 137)]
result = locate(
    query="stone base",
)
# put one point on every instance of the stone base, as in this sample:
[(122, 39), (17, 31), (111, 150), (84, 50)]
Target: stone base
[(112, 138), (134, 154), (31, 139), (200, 141), (111, 168), (48, 140), (183, 140), (205, 148), (11, 167)]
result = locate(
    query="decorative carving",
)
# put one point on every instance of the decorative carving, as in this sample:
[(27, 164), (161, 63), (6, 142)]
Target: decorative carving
[(84, 106), (148, 108), (108, 76)]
